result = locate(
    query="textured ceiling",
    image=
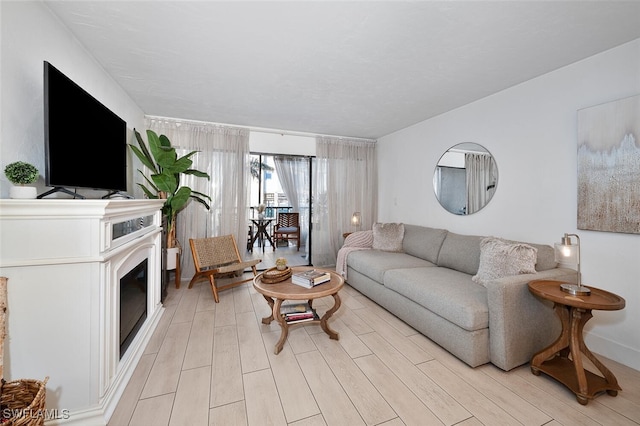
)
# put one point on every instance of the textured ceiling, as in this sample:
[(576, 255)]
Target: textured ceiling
[(362, 69)]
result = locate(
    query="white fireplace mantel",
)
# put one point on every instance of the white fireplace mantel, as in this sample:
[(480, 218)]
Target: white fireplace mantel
[(63, 260)]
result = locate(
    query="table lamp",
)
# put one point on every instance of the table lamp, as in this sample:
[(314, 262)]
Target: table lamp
[(355, 220), (567, 252)]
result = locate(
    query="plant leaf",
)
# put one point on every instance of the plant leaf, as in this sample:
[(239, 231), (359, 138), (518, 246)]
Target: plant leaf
[(164, 155), (180, 198), (144, 160), (200, 194), (165, 182), (147, 192), (144, 148), (201, 201), (197, 173), (143, 153), (164, 141), (189, 155), (155, 188), (181, 165)]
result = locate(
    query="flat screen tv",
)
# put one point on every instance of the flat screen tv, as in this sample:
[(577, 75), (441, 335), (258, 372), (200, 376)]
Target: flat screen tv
[(85, 142)]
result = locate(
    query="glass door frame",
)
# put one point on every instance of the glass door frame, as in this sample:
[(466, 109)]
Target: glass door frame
[(310, 159)]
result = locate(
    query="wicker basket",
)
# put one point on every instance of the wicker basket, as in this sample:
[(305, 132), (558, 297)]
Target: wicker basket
[(273, 275), (21, 401)]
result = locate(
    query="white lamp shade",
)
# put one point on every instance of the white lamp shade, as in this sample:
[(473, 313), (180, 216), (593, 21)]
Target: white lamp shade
[(355, 219), (566, 253)]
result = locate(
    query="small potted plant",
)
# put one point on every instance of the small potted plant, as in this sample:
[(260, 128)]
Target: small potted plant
[(20, 174)]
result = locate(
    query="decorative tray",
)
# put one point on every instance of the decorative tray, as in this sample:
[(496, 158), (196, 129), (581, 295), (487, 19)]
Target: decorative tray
[(273, 275)]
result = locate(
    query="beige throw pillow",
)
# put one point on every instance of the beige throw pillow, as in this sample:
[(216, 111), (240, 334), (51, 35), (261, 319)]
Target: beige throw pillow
[(388, 236), (499, 258)]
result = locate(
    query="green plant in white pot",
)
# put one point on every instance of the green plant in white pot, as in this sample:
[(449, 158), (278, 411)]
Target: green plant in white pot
[(166, 168), (21, 174)]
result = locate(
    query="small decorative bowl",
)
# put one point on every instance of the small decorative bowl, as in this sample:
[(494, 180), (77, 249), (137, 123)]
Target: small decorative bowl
[(273, 275)]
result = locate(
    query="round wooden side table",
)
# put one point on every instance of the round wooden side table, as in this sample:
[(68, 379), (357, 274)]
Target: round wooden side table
[(563, 359)]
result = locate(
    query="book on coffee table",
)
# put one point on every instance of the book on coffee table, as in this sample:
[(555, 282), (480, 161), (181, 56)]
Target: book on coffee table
[(310, 278), (295, 308), (293, 319), (298, 312)]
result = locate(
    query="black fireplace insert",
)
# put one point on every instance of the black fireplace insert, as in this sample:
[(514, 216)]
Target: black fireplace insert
[(133, 304)]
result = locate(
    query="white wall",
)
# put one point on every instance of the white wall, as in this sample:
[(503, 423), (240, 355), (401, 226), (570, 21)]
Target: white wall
[(269, 142), (31, 34), (531, 131)]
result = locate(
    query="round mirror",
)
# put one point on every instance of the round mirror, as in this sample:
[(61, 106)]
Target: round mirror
[(465, 179)]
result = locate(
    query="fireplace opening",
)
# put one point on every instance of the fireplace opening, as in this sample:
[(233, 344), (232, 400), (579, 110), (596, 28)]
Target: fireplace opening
[(133, 304)]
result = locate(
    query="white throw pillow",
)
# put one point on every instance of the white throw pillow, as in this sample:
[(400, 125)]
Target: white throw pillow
[(499, 258), (388, 236)]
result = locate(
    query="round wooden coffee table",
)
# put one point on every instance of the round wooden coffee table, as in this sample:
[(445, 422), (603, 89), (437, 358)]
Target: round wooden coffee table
[(277, 293), (563, 359)]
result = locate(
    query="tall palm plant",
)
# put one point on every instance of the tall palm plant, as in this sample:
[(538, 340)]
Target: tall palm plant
[(166, 167)]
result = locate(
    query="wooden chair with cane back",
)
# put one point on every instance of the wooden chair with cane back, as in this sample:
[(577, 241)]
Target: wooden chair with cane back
[(287, 227), (219, 256)]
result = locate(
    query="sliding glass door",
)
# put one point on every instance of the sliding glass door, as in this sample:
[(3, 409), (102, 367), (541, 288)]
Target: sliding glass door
[(279, 184)]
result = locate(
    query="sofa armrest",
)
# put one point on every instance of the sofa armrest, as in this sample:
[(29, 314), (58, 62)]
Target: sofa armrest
[(519, 323)]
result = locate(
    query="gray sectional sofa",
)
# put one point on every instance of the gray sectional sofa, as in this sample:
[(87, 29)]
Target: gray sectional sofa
[(428, 284)]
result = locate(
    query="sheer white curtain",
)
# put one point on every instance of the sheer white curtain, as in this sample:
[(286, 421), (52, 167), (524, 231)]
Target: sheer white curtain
[(481, 179), (223, 153), (345, 181), (293, 173)]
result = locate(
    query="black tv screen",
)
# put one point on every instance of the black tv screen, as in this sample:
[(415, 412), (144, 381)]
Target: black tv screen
[(85, 142)]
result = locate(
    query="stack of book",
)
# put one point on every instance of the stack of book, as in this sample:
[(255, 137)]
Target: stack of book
[(298, 312), (310, 278)]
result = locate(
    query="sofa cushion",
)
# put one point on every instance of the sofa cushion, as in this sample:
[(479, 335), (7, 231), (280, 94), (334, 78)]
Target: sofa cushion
[(448, 293), (374, 263), (388, 236), (423, 242), (546, 258), (500, 258), (460, 252)]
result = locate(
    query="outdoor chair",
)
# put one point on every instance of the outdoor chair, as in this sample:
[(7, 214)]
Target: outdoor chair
[(214, 257), (287, 227)]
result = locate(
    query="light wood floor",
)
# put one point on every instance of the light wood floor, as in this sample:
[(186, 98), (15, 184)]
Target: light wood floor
[(268, 256), (213, 364)]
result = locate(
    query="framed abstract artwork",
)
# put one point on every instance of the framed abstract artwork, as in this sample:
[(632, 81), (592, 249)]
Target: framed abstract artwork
[(609, 167)]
